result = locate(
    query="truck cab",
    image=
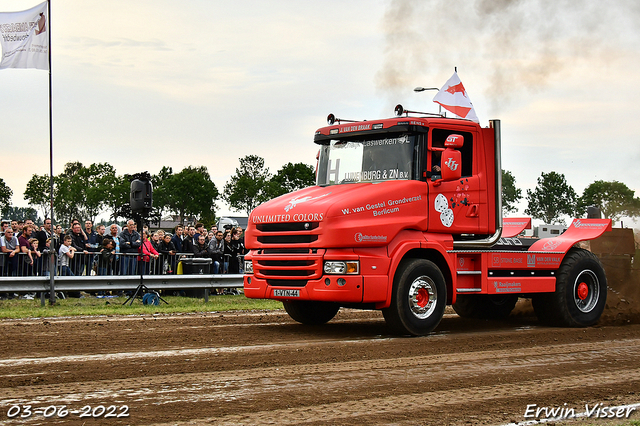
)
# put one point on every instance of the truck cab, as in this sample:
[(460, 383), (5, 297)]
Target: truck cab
[(398, 204)]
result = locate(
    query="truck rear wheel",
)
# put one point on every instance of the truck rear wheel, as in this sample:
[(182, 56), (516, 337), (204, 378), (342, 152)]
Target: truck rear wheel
[(581, 292), (310, 312), (418, 299), (485, 306)]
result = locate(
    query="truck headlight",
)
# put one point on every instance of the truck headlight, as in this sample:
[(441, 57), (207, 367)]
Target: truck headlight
[(341, 267), (248, 267)]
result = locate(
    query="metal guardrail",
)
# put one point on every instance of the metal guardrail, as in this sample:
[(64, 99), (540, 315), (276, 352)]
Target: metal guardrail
[(125, 272), (91, 263), (120, 283)]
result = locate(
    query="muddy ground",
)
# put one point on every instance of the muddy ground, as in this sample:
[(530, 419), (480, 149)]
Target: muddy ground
[(261, 368)]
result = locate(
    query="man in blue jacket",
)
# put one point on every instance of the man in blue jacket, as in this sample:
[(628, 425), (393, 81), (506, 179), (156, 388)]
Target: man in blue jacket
[(177, 238)]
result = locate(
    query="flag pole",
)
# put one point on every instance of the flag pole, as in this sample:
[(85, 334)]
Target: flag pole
[(52, 254)]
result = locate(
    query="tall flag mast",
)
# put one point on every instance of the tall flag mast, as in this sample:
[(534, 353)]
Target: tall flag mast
[(25, 38)]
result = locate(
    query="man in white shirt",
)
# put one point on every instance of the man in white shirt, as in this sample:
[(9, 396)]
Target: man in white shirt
[(10, 248)]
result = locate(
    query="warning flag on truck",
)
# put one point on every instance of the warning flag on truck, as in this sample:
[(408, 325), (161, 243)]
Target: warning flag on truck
[(453, 97)]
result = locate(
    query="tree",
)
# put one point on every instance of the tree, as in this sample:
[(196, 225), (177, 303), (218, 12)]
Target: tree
[(5, 195), (247, 188), (99, 179), (510, 194), (38, 193), (116, 195), (190, 193), (161, 197), (68, 190), (81, 191), (20, 213), (551, 199), (614, 199), (291, 177)]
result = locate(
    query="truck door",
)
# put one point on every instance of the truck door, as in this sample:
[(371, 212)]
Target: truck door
[(457, 205)]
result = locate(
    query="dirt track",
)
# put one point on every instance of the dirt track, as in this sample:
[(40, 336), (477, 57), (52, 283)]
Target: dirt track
[(261, 368)]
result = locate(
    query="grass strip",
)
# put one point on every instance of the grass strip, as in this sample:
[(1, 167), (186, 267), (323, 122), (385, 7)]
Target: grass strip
[(91, 305)]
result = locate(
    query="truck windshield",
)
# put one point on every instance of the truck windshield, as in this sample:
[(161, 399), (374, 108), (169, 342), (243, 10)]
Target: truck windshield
[(366, 160)]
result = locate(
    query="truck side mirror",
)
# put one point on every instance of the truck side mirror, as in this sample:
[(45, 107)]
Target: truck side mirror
[(451, 165)]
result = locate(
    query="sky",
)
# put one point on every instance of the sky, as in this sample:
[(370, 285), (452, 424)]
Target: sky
[(147, 84)]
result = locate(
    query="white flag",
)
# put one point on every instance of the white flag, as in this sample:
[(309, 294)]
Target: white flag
[(453, 97), (24, 38)]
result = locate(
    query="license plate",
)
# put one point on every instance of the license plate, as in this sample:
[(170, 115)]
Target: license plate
[(286, 293)]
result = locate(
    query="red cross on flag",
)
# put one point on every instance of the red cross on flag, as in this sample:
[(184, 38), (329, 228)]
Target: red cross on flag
[(453, 97)]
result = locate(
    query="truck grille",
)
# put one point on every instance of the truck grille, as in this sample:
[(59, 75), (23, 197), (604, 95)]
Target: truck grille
[(287, 227), (287, 233), (287, 283), (287, 239), (287, 263), (288, 268), (287, 273)]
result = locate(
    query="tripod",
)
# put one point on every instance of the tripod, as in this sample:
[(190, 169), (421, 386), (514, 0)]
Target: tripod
[(141, 289), (140, 201)]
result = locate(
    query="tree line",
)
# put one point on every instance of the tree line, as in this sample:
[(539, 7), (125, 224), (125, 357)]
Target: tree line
[(84, 192), (553, 198)]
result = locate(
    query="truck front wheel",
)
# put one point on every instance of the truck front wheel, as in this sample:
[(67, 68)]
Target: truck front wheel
[(581, 292), (310, 312), (418, 298)]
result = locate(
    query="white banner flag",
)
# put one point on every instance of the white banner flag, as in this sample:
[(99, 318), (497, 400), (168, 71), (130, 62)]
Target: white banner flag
[(24, 38), (453, 97)]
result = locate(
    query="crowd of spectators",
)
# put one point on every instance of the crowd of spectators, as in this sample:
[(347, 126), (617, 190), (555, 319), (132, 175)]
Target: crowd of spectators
[(27, 250)]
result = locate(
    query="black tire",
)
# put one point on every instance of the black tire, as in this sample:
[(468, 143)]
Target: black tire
[(581, 292), (310, 312), (485, 306), (418, 298)]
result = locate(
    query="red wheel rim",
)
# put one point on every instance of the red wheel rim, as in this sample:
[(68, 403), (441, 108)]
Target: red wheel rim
[(583, 291), (423, 297)]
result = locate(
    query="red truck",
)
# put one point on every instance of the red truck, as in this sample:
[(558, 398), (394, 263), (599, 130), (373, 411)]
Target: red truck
[(406, 217)]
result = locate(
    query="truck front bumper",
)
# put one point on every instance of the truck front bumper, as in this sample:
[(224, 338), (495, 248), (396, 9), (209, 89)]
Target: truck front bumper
[(329, 288)]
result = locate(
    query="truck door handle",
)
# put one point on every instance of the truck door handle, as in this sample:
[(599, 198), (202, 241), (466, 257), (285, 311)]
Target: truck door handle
[(472, 211)]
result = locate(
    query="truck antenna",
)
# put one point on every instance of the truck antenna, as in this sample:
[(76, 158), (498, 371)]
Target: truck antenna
[(399, 110)]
